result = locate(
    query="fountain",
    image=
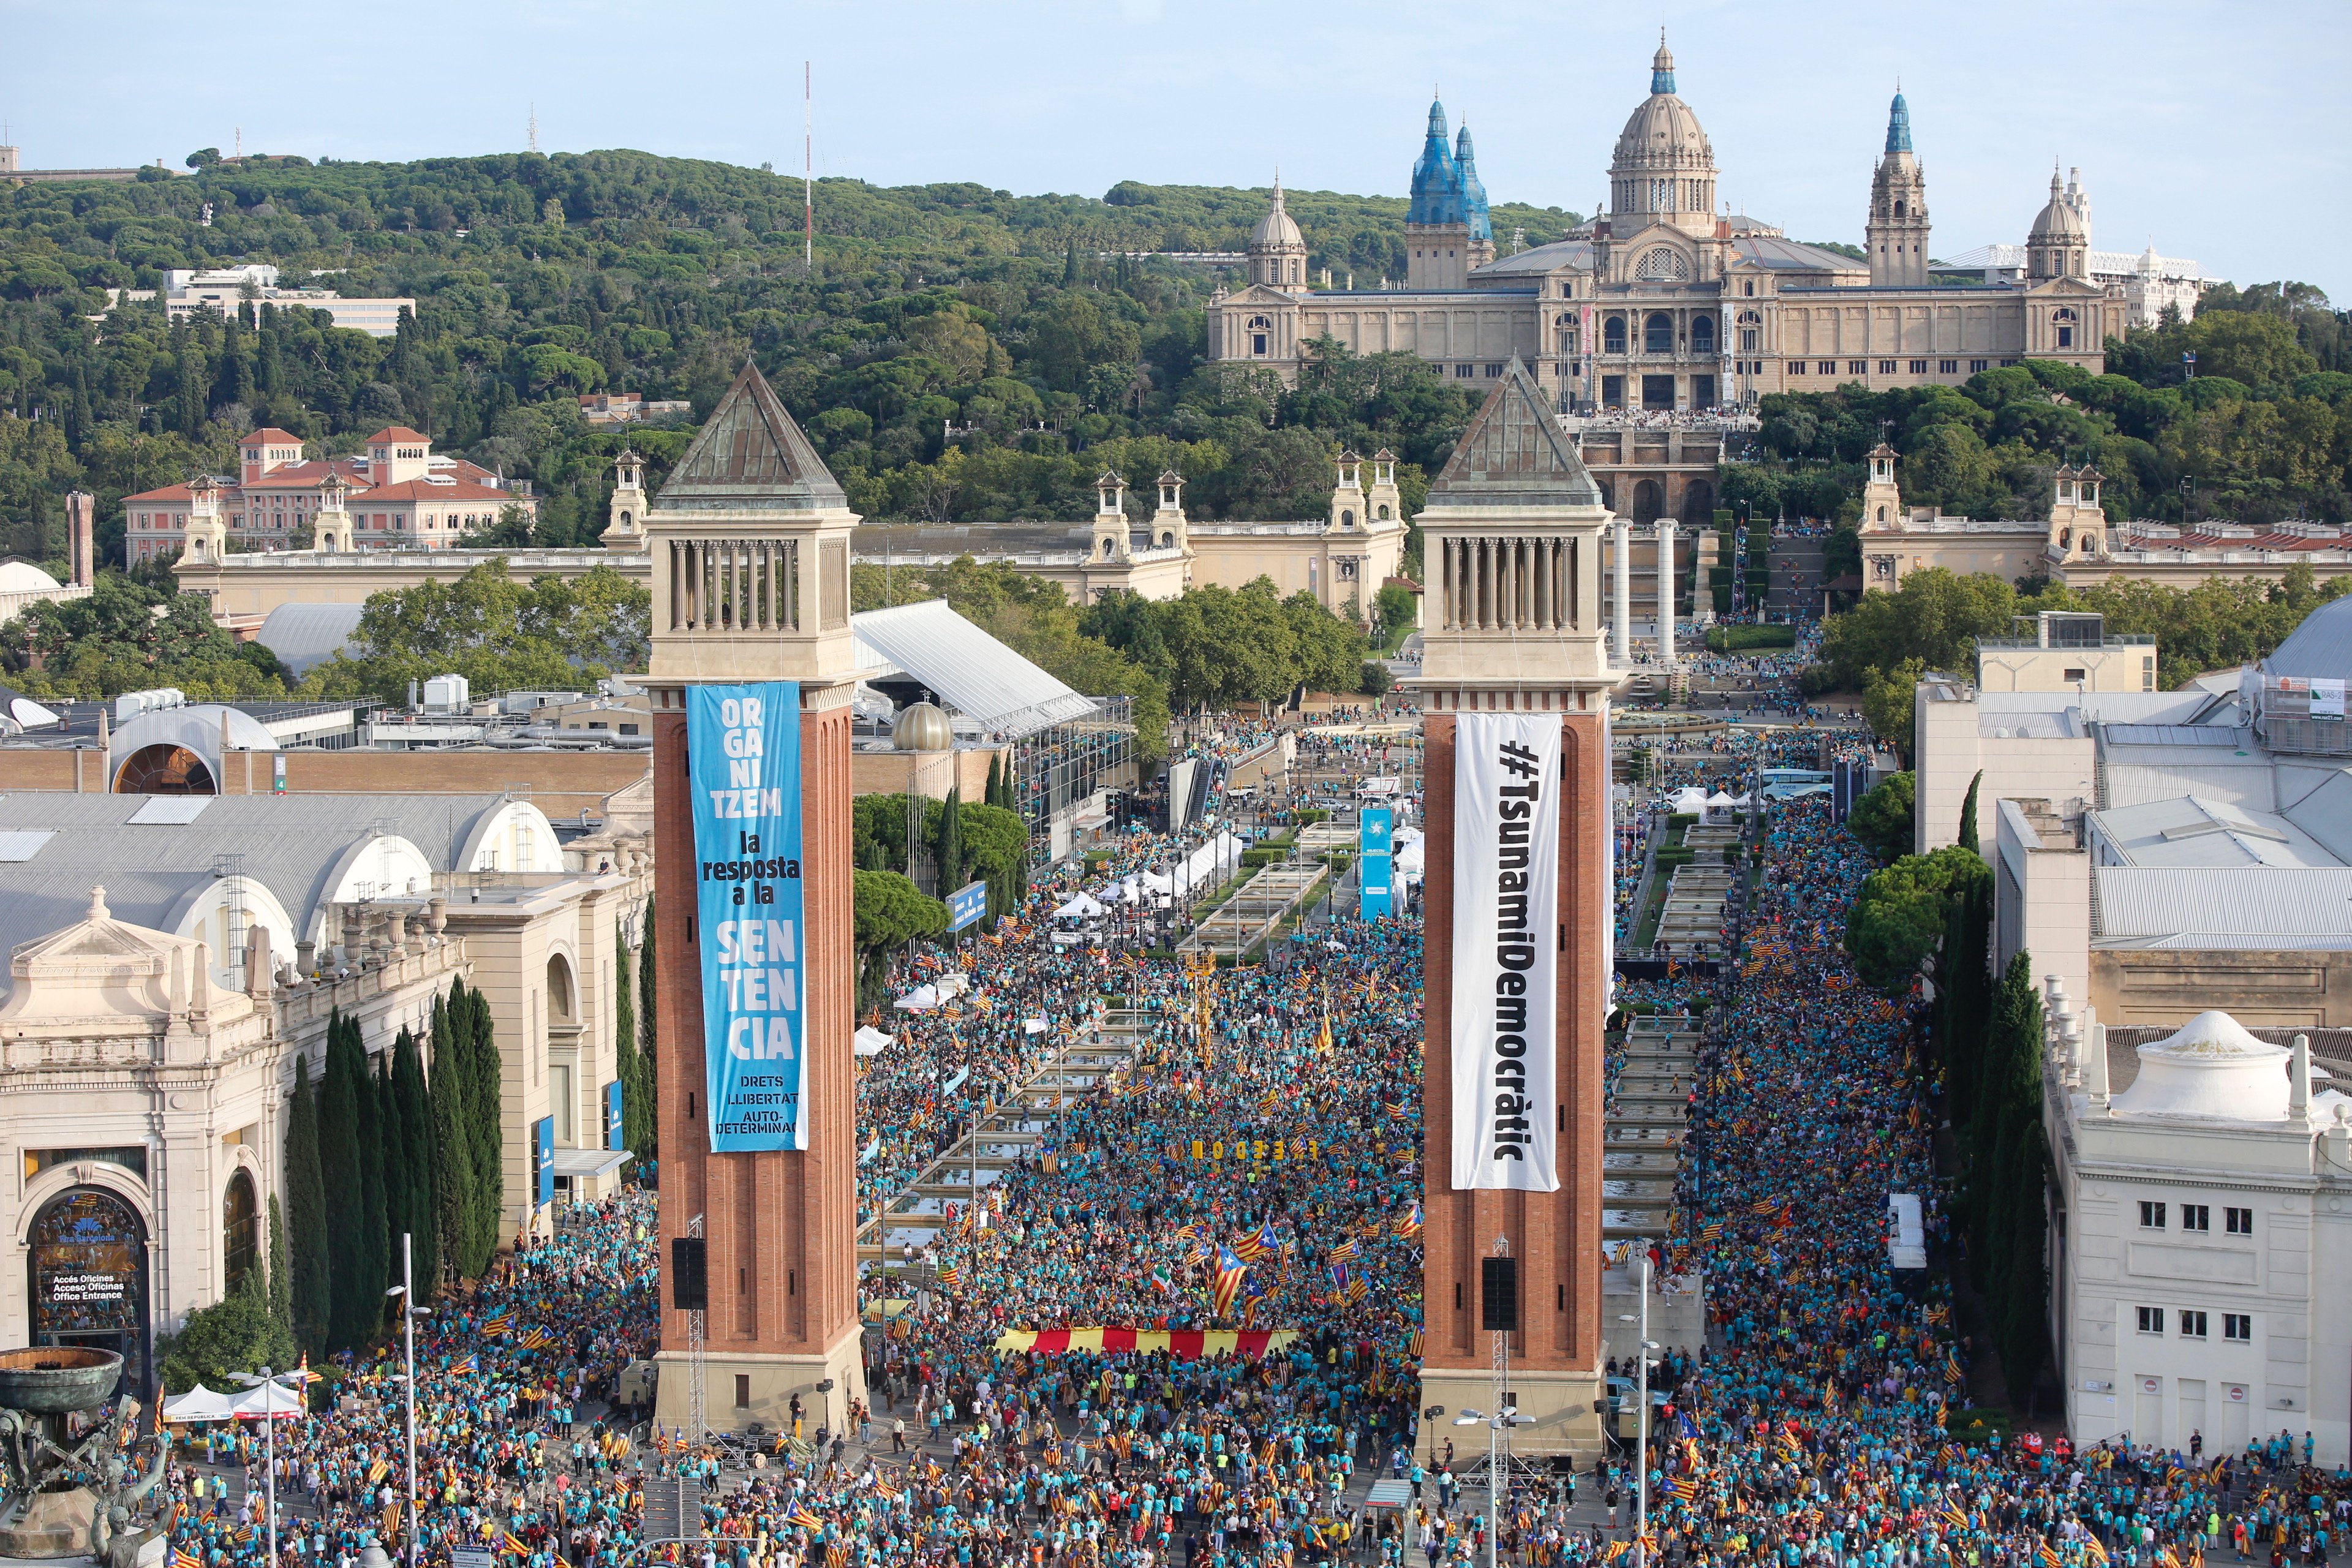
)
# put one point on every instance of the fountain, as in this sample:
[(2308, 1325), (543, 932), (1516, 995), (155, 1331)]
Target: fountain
[(72, 1467)]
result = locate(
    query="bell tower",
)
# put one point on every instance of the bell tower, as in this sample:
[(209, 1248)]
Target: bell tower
[(331, 528), (1110, 538), (1514, 686), (753, 661), (625, 527)]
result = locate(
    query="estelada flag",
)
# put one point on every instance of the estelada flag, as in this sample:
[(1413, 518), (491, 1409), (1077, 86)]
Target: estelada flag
[(1231, 1270)]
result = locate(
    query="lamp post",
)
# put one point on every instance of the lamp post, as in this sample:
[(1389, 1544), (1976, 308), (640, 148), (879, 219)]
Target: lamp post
[(270, 1389), (1429, 1419), (409, 1312), (1641, 1423)]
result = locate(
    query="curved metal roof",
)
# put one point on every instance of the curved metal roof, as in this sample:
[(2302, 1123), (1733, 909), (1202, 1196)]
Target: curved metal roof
[(302, 635), (969, 670)]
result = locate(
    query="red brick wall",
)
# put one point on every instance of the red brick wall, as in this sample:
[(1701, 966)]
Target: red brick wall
[(782, 1226), (1554, 1236)]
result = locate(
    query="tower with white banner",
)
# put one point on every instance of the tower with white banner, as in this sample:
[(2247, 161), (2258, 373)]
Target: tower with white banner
[(1514, 684), (751, 673)]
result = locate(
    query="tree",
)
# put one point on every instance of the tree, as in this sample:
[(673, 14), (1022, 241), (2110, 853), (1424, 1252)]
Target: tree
[(341, 1160), (1890, 703), (1969, 815), (235, 1335), (310, 1280), (1880, 820), (891, 911), (485, 1111), (453, 1147), (392, 1132), (281, 1282), (419, 1215), (627, 1064), (498, 632), (647, 1139), (947, 842), (2009, 1174), (363, 1314), (1899, 917)]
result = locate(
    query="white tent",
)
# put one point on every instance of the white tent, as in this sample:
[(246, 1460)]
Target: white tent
[(1412, 852), (1690, 800), (951, 983), (199, 1404), (1083, 905), (1907, 1247), (921, 999), (269, 1401), (870, 1041)]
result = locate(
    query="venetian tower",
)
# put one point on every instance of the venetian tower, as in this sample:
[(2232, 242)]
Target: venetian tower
[(1514, 684), (1896, 233), (749, 541)]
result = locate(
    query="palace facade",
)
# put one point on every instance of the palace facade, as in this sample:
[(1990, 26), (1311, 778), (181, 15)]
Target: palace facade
[(1667, 308)]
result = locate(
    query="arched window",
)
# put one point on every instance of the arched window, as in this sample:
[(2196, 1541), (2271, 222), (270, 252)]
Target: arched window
[(1384, 511), (1658, 333), (1752, 331), (1612, 335), (164, 769), (240, 1230), (1347, 520), (1661, 265), (1261, 329), (1107, 549), (1702, 334), (558, 990), (1166, 539), (1898, 209)]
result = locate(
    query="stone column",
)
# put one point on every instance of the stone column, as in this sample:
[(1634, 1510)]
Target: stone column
[(1622, 595), (1667, 589)]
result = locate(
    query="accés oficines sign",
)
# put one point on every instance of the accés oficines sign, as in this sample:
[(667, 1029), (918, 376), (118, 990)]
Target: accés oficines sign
[(743, 764)]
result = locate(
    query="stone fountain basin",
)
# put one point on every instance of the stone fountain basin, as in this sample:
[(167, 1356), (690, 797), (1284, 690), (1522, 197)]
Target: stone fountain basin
[(49, 1380)]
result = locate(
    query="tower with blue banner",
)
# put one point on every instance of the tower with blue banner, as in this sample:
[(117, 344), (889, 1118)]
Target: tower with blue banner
[(753, 664), (1376, 865)]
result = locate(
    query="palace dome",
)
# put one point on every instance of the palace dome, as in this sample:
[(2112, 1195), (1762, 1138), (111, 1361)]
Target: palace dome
[(2211, 1069), (2058, 220), (1663, 133), (1277, 230)]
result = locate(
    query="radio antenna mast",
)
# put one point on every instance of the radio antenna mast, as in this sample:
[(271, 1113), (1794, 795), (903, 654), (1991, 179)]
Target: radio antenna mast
[(534, 126), (808, 168)]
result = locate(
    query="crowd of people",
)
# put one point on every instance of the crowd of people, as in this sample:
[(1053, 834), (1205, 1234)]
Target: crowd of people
[(1261, 1174)]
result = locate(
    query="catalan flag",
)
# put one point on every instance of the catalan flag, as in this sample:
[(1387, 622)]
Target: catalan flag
[(1764, 1207), (1323, 1042), (1348, 1251), (1358, 1289), (2099, 1552), (1684, 1488), (1259, 1246), (1413, 1345), (1409, 1224), (1617, 1549), (377, 1471), (1952, 1373), (500, 1326), (471, 1364), (950, 1276), (1955, 1518), (183, 1558), (1940, 1315), (1230, 1272), (2047, 1555), (1711, 1231), (514, 1543), (1401, 1111)]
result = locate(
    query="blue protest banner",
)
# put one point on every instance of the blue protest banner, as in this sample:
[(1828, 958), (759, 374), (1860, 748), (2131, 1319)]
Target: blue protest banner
[(743, 762), (1376, 870)]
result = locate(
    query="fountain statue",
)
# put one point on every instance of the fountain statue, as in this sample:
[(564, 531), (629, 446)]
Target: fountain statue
[(74, 1468)]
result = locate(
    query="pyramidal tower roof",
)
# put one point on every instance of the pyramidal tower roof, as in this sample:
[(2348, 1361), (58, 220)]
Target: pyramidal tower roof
[(1515, 454), (751, 454)]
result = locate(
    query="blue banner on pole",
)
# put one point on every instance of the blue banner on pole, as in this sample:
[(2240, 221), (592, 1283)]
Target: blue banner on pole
[(743, 762), (616, 1114), (1376, 867), (967, 904), (543, 1158)]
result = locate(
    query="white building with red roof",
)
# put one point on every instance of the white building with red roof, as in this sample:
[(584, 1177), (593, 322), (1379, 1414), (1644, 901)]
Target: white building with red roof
[(402, 496)]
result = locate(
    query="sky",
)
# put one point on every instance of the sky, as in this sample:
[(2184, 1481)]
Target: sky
[(2161, 103)]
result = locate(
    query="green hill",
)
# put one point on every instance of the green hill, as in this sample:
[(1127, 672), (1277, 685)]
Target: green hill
[(956, 351)]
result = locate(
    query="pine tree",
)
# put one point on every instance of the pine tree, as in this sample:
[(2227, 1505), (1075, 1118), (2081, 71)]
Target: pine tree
[(453, 1156), (367, 1308), (419, 1221), (1968, 816), (486, 1125), (282, 1284), (310, 1281)]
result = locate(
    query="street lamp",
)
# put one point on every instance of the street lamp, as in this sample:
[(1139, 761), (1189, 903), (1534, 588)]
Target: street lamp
[(410, 1312), (272, 1411), (1641, 1423)]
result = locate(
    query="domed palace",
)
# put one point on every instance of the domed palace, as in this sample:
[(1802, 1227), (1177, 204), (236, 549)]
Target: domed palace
[(1668, 306)]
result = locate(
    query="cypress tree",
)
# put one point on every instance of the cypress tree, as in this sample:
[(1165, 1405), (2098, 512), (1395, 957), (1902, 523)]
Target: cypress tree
[(625, 1036), (419, 1221), (646, 1113), (485, 1126), (282, 1288), (339, 1169), (392, 1127), (947, 850), (310, 1280), (1968, 816), (453, 1157), (367, 1308)]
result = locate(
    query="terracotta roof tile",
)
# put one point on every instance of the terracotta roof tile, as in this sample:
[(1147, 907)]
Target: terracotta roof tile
[(270, 436), (396, 433)]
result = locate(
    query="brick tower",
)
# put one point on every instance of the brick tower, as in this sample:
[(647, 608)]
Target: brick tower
[(750, 540), (1514, 684)]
